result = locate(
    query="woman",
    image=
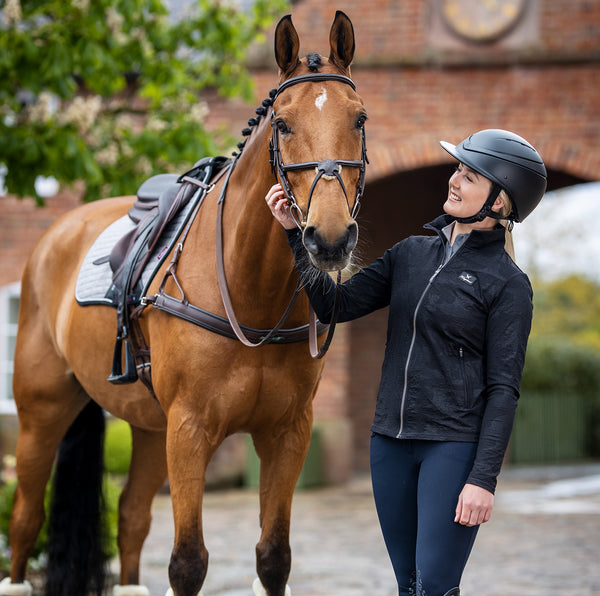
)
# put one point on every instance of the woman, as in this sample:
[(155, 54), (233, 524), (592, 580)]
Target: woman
[(459, 319)]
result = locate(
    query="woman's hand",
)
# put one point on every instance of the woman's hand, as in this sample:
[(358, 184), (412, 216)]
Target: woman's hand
[(474, 506), (279, 206)]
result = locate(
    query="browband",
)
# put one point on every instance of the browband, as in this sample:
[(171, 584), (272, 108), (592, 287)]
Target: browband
[(314, 77)]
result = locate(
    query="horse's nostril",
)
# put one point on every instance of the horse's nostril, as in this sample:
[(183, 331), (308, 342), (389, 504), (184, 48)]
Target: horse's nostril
[(317, 246), (351, 236), (310, 239)]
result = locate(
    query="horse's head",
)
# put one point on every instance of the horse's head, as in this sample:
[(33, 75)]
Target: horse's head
[(318, 141)]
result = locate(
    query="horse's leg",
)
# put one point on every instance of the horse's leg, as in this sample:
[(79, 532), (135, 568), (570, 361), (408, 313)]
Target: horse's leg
[(147, 473), (191, 442), (40, 433), (48, 399), (282, 452)]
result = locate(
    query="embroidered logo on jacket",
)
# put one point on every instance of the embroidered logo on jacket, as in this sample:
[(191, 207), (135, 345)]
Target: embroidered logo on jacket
[(467, 278)]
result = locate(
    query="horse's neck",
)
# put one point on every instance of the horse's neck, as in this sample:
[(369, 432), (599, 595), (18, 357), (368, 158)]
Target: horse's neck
[(258, 260)]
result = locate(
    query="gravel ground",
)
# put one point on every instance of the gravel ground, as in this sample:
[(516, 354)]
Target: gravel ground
[(543, 538)]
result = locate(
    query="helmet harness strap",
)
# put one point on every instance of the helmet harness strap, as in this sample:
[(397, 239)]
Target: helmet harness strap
[(486, 210)]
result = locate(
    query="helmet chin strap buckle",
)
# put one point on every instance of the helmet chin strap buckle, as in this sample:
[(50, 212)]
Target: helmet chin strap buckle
[(486, 210)]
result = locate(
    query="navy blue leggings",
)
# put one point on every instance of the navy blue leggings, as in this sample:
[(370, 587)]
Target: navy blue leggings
[(416, 486)]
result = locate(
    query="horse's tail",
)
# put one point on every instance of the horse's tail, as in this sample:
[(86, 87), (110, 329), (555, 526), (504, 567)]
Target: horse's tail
[(76, 544)]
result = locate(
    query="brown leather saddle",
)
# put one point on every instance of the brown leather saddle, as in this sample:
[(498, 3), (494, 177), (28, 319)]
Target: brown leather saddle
[(159, 200)]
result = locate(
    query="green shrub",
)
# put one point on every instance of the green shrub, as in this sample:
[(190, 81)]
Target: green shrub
[(37, 559), (117, 447), (558, 366), (7, 499)]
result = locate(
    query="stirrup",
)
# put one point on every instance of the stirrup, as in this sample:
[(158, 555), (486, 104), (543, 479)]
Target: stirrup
[(117, 376)]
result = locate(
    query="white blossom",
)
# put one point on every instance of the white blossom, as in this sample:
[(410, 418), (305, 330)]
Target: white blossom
[(143, 166), (109, 156), (82, 112), (12, 12), (114, 20), (41, 111), (82, 5), (156, 124), (127, 150), (139, 34), (199, 112), (123, 122)]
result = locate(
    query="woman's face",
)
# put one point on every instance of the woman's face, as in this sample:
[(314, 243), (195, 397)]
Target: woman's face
[(467, 192)]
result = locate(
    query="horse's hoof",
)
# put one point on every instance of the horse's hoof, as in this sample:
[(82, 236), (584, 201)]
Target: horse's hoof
[(169, 593), (9, 589), (131, 590), (260, 591)]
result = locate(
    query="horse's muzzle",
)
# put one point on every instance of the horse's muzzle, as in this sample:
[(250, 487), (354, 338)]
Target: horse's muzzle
[(330, 256)]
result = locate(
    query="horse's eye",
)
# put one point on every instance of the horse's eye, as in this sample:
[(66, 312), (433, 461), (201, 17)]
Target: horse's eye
[(360, 121), (282, 127)]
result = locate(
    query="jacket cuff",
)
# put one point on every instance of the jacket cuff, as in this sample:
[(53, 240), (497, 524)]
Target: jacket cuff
[(488, 484), (293, 233)]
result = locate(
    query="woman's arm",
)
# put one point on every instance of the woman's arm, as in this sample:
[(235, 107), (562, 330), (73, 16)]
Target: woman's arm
[(508, 327), (365, 292)]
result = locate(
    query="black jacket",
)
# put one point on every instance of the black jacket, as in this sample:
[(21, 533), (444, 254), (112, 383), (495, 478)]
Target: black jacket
[(456, 338)]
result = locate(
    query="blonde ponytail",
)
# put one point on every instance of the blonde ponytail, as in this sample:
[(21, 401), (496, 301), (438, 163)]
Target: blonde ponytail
[(509, 246)]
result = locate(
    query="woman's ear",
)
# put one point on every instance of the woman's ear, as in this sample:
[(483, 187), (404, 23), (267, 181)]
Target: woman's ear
[(498, 204)]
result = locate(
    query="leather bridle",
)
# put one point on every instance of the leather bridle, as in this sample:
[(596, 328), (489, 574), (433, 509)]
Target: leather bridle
[(330, 168)]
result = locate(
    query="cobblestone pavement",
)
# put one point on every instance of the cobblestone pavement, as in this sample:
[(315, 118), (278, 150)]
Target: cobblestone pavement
[(544, 538)]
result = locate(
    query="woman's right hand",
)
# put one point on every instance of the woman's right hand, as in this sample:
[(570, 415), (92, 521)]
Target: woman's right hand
[(280, 207)]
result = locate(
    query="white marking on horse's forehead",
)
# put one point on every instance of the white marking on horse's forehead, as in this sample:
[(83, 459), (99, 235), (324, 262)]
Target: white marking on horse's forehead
[(321, 98)]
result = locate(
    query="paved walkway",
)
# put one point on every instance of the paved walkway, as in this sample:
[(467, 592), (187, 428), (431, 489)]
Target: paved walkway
[(544, 538)]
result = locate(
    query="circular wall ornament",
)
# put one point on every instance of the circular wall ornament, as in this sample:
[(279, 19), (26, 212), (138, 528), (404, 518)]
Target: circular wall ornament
[(481, 20)]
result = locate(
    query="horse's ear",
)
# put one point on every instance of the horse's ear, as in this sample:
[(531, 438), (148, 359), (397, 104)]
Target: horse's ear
[(287, 44), (341, 39)]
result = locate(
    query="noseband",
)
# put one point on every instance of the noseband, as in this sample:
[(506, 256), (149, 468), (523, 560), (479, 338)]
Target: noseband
[(330, 168)]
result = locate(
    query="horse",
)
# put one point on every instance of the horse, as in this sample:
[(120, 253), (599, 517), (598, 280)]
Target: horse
[(206, 386)]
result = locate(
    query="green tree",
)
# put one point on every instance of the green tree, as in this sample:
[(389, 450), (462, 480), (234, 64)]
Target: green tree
[(567, 308), (107, 91)]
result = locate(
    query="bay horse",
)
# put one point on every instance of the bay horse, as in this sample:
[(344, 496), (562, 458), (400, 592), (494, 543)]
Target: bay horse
[(206, 386)]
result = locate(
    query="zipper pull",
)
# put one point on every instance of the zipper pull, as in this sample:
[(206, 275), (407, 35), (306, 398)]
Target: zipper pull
[(435, 273), (460, 352)]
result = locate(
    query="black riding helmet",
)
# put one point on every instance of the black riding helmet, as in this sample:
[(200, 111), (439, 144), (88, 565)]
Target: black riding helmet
[(511, 163)]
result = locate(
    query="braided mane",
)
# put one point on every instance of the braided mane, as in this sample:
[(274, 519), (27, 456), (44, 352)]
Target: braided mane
[(252, 122), (313, 62)]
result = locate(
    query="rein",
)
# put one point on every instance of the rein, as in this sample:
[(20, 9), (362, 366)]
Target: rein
[(223, 282)]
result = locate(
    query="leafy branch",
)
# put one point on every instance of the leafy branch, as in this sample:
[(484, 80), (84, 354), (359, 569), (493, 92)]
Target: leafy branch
[(107, 92)]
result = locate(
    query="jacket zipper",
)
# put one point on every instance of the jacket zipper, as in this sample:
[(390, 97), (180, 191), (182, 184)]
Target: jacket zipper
[(410, 349), (414, 335)]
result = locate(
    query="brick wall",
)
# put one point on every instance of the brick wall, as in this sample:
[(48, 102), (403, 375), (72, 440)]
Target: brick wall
[(420, 84), (22, 223)]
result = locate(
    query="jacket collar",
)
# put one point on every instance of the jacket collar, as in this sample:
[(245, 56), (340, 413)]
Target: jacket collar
[(476, 237)]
